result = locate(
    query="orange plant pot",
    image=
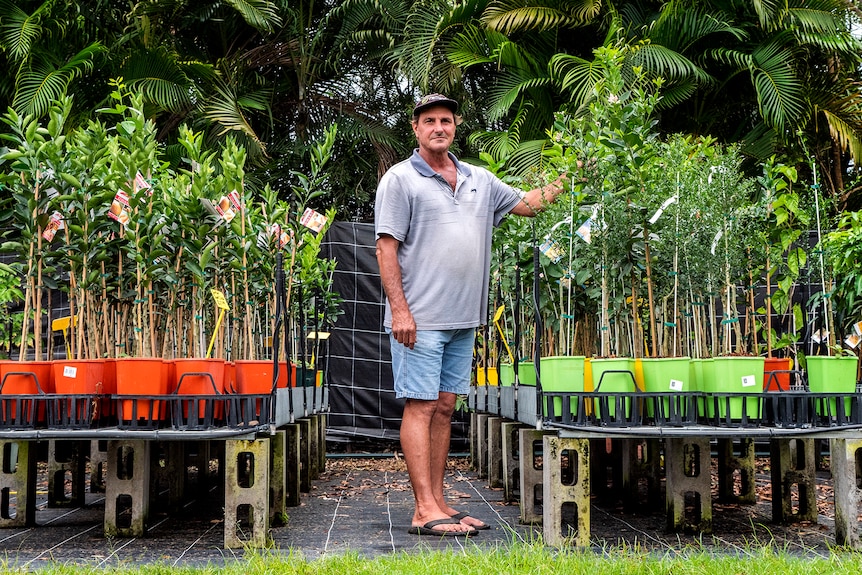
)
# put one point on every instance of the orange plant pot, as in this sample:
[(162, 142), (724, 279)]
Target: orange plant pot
[(79, 377), (779, 381), (25, 383), (188, 378), (282, 375), (197, 376), (109, 387), (255, 376), (229, 377), (26, 378), (141, 376)]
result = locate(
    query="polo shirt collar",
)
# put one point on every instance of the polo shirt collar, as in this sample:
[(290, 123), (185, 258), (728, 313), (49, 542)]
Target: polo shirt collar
[(421, 166)]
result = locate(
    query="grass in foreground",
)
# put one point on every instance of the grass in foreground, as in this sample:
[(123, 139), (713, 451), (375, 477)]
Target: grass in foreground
[(532, 558)]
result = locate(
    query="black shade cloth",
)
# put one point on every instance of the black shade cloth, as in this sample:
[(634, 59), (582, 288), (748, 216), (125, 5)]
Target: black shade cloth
[(361, 397)]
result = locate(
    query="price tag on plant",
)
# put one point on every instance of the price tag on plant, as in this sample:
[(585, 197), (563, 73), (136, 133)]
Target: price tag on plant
[(55, 224), (676, 385), (552, 250), (142, 184), (282, 237), (313, 220), (235, 200), (585, 231), (225, 209), (749, 381), (120, 208)]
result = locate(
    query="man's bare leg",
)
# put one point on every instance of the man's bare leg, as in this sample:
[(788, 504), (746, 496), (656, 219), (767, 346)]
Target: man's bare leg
[(420, 425), (441, 431)]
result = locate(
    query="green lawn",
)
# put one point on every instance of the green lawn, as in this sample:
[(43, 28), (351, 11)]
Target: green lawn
[(518, 558)]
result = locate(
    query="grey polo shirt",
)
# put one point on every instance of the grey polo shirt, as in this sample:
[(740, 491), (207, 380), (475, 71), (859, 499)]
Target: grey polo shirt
[(445, 238)]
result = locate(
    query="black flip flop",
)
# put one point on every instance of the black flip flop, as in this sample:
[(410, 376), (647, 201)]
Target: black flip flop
[(461, 515), (428, 529)]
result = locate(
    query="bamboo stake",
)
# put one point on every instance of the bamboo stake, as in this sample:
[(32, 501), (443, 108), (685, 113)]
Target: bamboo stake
[(29, 300), (650, 302), (37, 323)]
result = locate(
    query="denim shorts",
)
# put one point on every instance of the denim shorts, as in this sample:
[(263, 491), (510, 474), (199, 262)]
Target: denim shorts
[(439, 361)]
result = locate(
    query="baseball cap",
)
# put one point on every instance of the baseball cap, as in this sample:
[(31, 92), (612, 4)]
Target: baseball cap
[(430, 100)]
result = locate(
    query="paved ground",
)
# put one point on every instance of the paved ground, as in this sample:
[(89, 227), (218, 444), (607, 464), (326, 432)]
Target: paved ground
[(365, 505)]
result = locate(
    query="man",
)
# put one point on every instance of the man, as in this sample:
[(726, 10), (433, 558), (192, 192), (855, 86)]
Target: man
[(434, 217)]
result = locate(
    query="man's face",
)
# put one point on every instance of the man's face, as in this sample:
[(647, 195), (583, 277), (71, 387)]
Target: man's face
[(435, 129)]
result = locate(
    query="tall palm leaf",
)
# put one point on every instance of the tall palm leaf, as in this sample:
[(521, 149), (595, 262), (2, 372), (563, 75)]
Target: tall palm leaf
[(41, 82)]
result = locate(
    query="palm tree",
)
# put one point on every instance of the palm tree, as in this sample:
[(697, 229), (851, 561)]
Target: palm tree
[(760, 73), (44, 47)]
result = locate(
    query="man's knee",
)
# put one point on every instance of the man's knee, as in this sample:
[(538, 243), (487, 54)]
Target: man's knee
[(446, 403)]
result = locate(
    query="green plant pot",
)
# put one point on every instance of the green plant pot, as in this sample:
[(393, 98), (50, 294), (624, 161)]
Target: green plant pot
[(737, 375), (831, 374), (562, 373), (702, 380), (613, 375), (666, 375), (526, 373)]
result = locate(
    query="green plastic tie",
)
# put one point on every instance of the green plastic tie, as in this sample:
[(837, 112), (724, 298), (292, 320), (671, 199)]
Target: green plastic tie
[(669, 324), (731, 320)]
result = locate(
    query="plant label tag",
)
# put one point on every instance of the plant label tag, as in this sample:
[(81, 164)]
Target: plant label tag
[(55, 224), (141, 183), (585, 230), (220, 300), (313, 220), (119, 210), (235, 200), (676, 385), (70, 371), (552, 250), (748, 381), (225, 209)]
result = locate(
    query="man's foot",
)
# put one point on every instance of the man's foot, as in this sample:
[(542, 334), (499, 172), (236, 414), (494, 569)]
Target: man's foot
[(470, 521), (434, 528)]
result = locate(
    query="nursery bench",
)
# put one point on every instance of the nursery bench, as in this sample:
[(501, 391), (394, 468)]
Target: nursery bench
[(646, 436), (268, 449)]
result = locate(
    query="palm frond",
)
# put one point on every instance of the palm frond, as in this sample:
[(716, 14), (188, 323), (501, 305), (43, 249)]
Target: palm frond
[(40, 82), (421, 34), (512, 16), (527, 155), (680, 26), (769, 12), (158, 75), (508, 89), (225, 111), (660, 61), (576, 76), (261, 14), (760, 142), (779, 93), (473, 45), (845, 134), (736, 59), (675, 94), (19, 31), (842, 43)]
